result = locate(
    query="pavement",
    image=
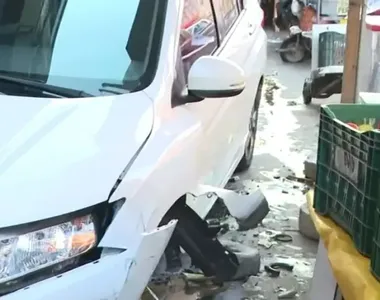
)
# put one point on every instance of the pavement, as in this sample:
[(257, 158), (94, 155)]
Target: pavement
[(287, 134)]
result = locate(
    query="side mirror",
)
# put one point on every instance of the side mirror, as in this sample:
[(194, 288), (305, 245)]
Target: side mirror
[(213, 77)]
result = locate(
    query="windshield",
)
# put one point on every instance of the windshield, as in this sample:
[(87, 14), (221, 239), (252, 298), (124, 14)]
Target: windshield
[(95, 46)]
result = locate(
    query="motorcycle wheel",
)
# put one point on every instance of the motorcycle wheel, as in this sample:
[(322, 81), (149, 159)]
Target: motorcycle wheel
[(295, 55)]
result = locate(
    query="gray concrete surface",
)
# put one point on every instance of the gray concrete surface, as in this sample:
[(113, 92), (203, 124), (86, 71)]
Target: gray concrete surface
[(287, 134)]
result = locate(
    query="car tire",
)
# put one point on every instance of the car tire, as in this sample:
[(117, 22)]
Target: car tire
[(247, 158)]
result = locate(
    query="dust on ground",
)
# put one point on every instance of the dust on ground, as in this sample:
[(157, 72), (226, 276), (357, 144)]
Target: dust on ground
[(287, 134)]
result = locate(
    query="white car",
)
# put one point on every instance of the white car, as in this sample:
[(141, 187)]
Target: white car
[(112, 120)]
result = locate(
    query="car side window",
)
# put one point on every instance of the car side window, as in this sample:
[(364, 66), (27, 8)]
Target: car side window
[(198, 36), (227, 12)]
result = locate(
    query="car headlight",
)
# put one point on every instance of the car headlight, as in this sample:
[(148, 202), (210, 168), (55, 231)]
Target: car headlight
[(26, 253)]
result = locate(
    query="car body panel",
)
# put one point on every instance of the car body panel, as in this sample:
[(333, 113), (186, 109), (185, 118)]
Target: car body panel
[(121, 275), (172, 162), (62, 155)]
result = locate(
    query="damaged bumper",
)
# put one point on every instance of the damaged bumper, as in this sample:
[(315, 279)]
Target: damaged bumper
[(116, 276), (248, 209)]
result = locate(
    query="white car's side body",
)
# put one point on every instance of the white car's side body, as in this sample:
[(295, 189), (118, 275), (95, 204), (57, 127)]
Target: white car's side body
[(59, 156)]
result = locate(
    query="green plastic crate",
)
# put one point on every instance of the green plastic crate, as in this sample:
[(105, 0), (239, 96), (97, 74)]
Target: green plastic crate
[(375, 255), (348, 171)]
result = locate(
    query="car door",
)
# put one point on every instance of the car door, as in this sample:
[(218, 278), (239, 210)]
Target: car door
[(239, 25), (198, 37)]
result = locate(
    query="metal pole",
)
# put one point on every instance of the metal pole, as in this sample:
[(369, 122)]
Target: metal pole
[(355, 19)]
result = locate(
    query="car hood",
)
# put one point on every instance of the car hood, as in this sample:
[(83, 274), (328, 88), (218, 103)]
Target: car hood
[(62, 155)]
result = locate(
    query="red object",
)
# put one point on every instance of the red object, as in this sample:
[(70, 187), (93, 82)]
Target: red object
[(263, 19), (307, 19), (190, 22), (373, 22), (353, 125)]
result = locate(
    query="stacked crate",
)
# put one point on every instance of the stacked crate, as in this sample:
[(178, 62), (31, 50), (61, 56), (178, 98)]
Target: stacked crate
[(348, 174)]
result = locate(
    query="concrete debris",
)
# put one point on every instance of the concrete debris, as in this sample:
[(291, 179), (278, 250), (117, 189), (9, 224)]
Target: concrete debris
[(235, 291), (209, 292), (265, 243), (248, 257), (288, 294), (305, 223), (270, 86), (292, 103), (194, 277), (251, 282), (266, 239), (258, 209), (234, 179), (300, 179), (281, 218), (310, 167)]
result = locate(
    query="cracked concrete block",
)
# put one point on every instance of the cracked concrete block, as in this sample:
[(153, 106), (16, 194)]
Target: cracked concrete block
[(310, 167), (306, 225), (248, 257), (256, 208)]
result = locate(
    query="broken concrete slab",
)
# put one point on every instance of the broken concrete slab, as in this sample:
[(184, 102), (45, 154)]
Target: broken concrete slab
[(306, 225), (248, 257), (287, 294), (257, 210), (310, 167)]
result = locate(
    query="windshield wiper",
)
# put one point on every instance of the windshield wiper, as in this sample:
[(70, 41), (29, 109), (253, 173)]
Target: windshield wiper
[(129, 86), (113, 88), (44, 87)]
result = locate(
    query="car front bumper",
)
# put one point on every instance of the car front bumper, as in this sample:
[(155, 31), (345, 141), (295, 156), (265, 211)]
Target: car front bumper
[(120, 276), (101, 280)]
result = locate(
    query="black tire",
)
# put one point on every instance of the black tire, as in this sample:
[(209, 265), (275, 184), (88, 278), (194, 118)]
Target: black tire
[(306, 94), (293, 56), (247, 158)]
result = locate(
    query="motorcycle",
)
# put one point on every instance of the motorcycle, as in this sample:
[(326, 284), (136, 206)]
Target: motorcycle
[(297, 47)]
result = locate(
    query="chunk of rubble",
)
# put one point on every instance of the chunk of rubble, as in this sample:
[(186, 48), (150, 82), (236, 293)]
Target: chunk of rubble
[(248, 257)]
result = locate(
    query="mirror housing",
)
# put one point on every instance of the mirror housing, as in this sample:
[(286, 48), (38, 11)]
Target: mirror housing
[(214, 77)]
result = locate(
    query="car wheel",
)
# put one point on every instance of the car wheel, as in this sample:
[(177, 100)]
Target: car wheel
[(246, 160)]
